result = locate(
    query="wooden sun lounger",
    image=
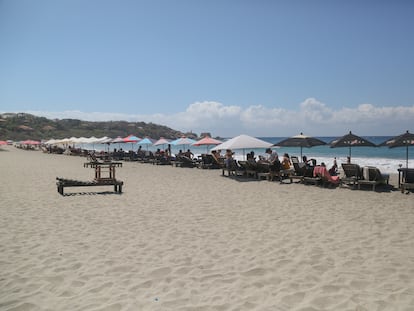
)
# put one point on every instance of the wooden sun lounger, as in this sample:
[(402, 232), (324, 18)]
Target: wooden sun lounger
[(233, 169), (63, 182), (353, 174), (373, 177), (408, 180), (104, 176)]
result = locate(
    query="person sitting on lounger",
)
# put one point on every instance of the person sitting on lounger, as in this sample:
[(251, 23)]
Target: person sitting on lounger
[(310, 162), (273, 160), (189, 154), (286, 162), (334, 169), (251, 157), (323, 172), (308, 166)]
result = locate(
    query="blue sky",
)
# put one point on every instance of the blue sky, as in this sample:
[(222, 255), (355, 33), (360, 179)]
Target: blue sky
[(264, 68)]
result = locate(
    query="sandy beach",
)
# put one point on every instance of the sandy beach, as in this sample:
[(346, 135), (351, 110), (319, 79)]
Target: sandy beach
[(190, 239)]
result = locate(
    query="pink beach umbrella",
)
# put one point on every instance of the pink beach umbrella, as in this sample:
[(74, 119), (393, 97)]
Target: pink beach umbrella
[(207, 141), (161, 141), (30, 142)]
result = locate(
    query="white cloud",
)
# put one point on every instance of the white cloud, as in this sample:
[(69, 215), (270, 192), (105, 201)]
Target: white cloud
[(311, 117)]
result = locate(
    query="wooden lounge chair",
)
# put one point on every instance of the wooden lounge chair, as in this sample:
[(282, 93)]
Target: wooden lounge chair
[(183, 161), (209, 162), (302, 172), (104, 176), (353, 174), (263, 170), (249, 167), (408, 180), (299, 171), (314, 180), (372, 176), (63, 183), (233, 169)]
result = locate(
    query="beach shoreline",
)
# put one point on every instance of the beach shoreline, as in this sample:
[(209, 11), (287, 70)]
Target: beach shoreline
[(190, 239)]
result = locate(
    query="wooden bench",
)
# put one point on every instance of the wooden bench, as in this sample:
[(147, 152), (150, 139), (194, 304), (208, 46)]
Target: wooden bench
[(63, 182)]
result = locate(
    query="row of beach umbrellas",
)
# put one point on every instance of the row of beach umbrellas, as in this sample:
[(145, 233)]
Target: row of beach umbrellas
[(23, 142), (206, 141), (244, 142), (349, 140)]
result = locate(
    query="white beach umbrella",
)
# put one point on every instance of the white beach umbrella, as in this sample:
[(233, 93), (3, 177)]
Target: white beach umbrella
[(105, 140), (50, 141), (243, 142)]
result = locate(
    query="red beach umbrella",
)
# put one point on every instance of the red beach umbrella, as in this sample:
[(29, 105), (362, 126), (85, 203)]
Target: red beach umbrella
[(131, 139), (30, 142)]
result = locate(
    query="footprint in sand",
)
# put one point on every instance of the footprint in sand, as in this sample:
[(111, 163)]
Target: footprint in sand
[(255, 272), (157, 273)]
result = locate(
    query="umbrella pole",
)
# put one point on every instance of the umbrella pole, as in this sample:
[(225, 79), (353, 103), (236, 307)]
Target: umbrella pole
[(349, 153), (406, 154), (301, 152)]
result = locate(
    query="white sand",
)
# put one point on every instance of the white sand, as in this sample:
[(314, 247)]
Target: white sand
[(189, 239)]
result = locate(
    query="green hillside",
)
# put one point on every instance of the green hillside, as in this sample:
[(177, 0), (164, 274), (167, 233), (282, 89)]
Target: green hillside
[(21, 126)]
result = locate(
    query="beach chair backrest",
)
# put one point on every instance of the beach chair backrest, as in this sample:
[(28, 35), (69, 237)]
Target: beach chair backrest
[(352, 170), (298, 170), (409, 176)]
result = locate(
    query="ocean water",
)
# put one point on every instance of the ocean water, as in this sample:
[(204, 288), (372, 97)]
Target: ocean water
[(386, 159)]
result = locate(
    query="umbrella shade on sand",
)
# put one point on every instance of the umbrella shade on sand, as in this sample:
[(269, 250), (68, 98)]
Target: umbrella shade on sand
[(207, 141), (300, 141), (243, 142), (351, 140), (404, 140)]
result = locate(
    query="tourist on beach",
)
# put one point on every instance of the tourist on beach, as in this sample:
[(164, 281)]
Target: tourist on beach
[(228, 158), (286, 162), (308, 166), (334, 169), (273, 160), (251, 157), (308, 163)]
